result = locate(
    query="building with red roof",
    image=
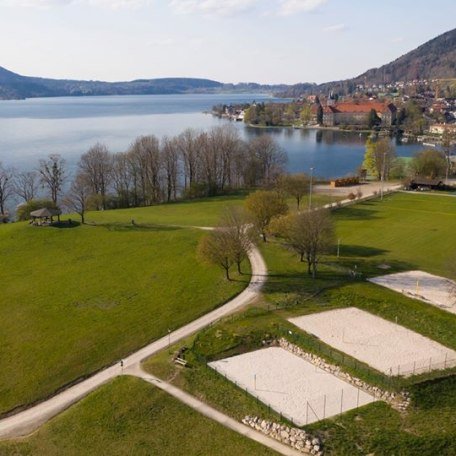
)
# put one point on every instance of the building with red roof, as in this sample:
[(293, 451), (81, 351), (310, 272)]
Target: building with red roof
[(353, 113)]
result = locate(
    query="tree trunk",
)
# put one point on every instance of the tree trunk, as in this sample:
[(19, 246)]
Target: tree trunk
[(227, 274)]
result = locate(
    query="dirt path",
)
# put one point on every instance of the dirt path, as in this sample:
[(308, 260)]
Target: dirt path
[(29, 420)]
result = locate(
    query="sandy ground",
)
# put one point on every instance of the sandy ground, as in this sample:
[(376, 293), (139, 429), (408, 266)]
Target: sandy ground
[(420, 285), (366, 188), (386, 346), (290, 385)]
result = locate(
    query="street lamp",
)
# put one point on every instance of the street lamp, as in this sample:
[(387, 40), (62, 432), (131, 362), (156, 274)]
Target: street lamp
[(310, 189)]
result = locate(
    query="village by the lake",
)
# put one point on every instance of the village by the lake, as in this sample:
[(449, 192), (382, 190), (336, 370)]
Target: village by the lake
[(200, 266)]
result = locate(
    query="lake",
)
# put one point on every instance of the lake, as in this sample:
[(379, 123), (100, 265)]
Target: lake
[(34, 128)]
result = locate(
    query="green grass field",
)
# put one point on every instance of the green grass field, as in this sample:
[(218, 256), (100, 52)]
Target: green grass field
[(394, 232), (202, 212), (410, 230), (131, 417), (74, 300)]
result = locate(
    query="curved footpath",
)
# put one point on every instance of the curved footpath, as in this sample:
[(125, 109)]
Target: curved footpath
[(29, 420)]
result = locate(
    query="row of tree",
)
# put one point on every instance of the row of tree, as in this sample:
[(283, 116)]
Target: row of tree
[(192, 164), (380, 161), (309, 234)]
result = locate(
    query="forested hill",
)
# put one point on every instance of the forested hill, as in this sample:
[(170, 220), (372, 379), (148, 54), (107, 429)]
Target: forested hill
[(15, 86), (435, 59)]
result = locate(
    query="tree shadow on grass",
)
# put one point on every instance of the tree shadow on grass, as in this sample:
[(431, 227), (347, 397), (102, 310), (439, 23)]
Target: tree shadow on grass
[(356, 213), (65, 224), (360, 251), (137, 227), (368, 267)]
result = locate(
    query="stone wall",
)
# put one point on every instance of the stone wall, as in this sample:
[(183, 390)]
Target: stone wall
[(399, 401), (296, 438)]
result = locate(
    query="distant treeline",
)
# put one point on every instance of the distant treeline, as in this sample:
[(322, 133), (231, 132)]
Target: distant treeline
[(192, 164)]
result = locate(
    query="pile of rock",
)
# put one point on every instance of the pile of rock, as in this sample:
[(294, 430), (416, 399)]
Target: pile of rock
[(399, 401), (294, 437)]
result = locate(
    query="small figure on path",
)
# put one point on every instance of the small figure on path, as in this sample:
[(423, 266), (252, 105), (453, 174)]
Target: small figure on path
[(121, 364)]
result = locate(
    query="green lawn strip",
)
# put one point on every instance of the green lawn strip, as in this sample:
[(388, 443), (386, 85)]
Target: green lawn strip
[(75, 300), (226, 338), (130, 417), (412, 231), (201, 212), (428, 428)]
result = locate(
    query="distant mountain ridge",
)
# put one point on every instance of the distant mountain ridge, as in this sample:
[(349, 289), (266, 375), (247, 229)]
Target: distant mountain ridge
[(435, 59), (16, 86)]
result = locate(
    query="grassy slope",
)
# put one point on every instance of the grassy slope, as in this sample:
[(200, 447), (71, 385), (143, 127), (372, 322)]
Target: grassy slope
[(411, 230), (391, 231), (127, 417), (204, 212), (74, 300)]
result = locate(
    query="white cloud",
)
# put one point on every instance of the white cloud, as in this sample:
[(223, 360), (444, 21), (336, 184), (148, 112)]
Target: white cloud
[(161, 41), (114, 4), (289, 7), (397, 39), (212, 7), (335, 28)]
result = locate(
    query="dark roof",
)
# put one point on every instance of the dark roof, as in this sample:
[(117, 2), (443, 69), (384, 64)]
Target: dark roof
[(426, 181)]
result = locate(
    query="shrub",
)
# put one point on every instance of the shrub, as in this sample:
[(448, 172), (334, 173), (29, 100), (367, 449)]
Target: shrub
[(23, 210)]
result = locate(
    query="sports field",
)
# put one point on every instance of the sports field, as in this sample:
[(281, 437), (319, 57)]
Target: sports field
[(438, 291), (386, 346), (291, 385)]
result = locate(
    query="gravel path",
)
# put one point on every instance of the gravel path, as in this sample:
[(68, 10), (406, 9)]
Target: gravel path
[(25, 422)]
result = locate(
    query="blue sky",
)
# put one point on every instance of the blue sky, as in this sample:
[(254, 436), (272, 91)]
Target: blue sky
[(267, 41)]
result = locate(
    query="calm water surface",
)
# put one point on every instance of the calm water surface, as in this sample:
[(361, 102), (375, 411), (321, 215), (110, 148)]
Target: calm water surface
[(32, 129)]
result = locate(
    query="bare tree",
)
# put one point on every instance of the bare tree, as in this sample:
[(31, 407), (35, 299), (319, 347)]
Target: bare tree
[(26, 185), (294, 185), (213, 249), (263, 206), (6, 188), (122, 179), (189, 148), (310, 234), (268, 157), (170, 160), (385, 155), (96, 166), (52, 175), (238, 234), (78, 196), (144, 155)]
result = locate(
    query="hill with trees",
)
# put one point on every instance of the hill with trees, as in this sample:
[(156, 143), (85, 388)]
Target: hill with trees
[(16, 86), (435, 59)]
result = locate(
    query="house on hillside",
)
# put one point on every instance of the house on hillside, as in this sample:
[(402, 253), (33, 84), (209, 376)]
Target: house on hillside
[(439, 129), (350, 113)]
